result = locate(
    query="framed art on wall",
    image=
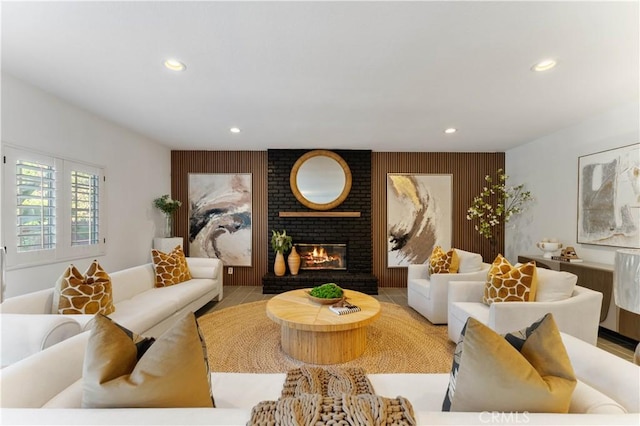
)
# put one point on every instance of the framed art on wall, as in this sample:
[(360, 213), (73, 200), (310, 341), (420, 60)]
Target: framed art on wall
[(609, 197), (220, 217), (419, 216)]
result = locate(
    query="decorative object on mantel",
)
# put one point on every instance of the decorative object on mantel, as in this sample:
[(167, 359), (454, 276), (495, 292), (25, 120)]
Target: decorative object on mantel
[(294, 261), (548, 246), (280, 242), (511, 200), (167, 206), (568, 255)]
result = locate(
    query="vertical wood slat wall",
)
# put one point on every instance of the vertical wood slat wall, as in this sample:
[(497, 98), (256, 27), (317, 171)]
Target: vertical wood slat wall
[(468, 170), (255, 162)]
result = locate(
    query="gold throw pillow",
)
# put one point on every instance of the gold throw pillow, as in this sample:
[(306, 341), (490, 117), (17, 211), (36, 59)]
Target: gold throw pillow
[(528, 370), (171, 268), (121, 369), (90, 293), (442, 262), (506, 283)]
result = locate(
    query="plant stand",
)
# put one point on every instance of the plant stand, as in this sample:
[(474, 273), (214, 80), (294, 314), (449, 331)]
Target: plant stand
[(165, 245)]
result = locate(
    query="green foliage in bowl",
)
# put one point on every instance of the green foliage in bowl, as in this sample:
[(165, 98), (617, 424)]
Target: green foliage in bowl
[(326, 291)]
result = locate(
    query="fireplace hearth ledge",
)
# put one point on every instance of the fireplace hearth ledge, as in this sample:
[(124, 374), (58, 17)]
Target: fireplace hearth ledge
[(362, 282)]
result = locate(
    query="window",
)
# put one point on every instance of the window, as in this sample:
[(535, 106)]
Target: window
[(35, 206), (54, 208), (84, 208)]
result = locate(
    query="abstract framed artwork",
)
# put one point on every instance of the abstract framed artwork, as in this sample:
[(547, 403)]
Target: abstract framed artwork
[(419, 216), (609, 197), (220, 217)]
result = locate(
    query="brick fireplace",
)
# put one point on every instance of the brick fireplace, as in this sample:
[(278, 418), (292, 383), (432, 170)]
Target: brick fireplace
[(353, 235)]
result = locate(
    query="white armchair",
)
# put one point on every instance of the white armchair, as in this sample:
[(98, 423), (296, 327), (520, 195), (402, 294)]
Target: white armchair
[(577, 315), (427, 294)]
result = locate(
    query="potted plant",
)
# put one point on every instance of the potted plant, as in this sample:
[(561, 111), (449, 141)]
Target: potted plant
[(280, 242), (509, 201), (167, 206)]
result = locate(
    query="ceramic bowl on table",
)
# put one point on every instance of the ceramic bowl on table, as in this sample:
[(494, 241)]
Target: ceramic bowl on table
[(548, 248)]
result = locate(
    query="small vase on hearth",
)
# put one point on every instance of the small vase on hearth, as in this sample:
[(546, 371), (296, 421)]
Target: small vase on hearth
[(279, 267), (294, 261)]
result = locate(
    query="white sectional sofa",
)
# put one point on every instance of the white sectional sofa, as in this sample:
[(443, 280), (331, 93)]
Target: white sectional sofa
[(46, 388), (28, 325)]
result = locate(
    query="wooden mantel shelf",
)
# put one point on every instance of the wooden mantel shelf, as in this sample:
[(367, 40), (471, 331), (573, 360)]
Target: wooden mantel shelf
[(319, 214)]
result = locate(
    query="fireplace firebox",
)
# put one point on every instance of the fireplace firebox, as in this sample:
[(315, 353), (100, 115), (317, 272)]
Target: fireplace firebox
[(322, 257)]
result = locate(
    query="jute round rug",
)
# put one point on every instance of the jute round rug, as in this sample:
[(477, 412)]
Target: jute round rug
[(243, 339)]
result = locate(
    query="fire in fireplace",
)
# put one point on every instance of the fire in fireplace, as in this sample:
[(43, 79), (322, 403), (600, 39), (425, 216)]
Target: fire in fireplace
[(319, 257)]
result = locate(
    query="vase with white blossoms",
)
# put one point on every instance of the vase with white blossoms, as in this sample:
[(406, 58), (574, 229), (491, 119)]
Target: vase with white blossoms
[(167, 206)]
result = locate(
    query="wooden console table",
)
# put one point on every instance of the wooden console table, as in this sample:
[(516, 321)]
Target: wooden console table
[(598, 277)]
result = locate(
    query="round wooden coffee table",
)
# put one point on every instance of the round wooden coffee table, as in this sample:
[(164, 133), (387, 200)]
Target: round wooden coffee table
[(310, 332)]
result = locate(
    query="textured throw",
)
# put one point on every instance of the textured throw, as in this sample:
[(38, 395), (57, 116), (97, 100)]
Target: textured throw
[(317, 396), (326, 381)]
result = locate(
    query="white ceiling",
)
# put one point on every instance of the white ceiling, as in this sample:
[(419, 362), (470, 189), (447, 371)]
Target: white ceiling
[(385, 76)]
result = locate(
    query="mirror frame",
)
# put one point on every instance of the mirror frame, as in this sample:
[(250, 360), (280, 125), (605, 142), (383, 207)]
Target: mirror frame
[(293, 180)]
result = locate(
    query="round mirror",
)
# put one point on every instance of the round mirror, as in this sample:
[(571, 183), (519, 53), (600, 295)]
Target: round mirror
[(320, 180)]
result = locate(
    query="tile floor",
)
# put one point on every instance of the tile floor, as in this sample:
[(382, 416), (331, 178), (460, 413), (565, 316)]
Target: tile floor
[(235, 295)]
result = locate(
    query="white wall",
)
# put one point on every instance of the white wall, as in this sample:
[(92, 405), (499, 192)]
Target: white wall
[(138, 170), (548, 167)]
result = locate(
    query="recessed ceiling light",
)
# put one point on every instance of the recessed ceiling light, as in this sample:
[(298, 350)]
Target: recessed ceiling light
[(450, 130), (175, 65), (234, 130), (544, 65)]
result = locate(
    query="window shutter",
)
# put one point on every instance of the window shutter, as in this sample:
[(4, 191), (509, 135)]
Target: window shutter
[(36, 204), (85, 208)]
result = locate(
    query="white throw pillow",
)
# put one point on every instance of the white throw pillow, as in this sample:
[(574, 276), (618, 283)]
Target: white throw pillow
[(554, 285), (469, 262)]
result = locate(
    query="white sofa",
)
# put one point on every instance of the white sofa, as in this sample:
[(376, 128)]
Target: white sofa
[(28, 325), (577, 315), (46, 388), (428, 293)]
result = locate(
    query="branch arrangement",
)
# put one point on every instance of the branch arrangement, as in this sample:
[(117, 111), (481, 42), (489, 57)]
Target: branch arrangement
[(510, 200)]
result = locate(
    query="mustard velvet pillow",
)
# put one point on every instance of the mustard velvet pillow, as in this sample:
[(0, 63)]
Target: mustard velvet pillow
[(122, 369), (171, 268), (528, 370), (90, 293), (506, 283), (441, 262)]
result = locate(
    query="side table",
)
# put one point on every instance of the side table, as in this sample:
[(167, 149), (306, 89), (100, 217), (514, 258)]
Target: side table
[(165, 245)]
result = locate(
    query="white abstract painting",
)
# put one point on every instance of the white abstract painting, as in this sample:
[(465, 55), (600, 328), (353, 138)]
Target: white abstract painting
[(419, 217), (609, 197), (220, 217)]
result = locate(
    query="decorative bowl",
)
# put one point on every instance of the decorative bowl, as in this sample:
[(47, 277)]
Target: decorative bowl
[(322, 301), (548, 248)]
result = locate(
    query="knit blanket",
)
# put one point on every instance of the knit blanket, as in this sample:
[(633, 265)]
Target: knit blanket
[(319, 396)]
